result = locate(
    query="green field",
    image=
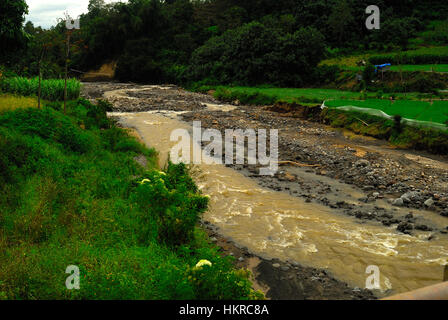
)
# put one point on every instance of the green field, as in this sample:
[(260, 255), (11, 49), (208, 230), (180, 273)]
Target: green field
[(421, 67), (408, 68), (418, 110), (269, 95)]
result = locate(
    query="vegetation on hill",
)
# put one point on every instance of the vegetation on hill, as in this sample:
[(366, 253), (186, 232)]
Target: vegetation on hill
[(230, 41)]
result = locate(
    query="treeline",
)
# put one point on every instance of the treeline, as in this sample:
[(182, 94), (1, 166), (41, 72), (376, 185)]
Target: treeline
[(232, 41)]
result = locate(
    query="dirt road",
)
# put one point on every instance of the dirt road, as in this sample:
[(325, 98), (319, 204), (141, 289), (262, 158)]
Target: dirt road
[(391, 204)]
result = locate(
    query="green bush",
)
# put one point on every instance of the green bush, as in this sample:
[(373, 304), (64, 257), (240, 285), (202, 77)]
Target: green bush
[(254, 54), (175, 211)]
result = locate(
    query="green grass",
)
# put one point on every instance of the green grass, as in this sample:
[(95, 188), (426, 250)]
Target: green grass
[(271, 94), (51, 89), (418, 110), (71, 193), (304, 96), (421, 67)]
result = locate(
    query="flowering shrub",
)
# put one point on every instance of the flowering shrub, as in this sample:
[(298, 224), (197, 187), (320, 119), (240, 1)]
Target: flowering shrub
[(171, 205)]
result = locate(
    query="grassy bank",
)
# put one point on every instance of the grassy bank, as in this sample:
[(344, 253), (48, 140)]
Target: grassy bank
[(72, 193), (395, 131), (436, 111), (402, 135), (51, 89), (304, 96)]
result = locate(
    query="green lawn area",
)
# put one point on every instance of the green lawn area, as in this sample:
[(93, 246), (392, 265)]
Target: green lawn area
[(419, 110)]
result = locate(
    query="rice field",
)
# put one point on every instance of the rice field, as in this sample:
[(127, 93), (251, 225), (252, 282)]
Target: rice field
[(437, 111), (52, 89)]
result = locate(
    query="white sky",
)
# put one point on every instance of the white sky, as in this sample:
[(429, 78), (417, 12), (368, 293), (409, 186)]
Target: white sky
[(45, 13)]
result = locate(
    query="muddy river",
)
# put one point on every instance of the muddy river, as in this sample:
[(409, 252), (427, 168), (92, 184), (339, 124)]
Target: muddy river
[(276, 225)]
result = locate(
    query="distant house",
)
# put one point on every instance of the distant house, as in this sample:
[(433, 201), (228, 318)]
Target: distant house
[(382, 67)]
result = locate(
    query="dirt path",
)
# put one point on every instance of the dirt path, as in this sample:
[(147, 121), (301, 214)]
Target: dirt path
[(362, 179)]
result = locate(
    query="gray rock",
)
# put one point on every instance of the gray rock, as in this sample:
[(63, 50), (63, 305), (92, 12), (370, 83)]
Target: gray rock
[(411, 195), (429, 202), (276, 265), (398, 202), (362, 163)]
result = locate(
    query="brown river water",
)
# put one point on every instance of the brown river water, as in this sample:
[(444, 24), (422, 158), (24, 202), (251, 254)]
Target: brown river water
[(276, 225)]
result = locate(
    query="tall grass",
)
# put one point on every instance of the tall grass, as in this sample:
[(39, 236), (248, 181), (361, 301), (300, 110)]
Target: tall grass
[(52, 89), (10, 102)]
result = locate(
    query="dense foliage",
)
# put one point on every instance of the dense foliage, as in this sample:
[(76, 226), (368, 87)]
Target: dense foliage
[(71, 193), (12, 36), (231, 41)]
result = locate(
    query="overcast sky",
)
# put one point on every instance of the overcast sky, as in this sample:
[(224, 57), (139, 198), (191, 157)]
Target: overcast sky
[(45, 13)]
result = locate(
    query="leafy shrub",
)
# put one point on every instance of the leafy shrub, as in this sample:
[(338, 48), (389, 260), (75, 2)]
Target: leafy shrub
[(173, 212), (18, 156), (368, 73), (215, 282), (117, 140), (424, 83)]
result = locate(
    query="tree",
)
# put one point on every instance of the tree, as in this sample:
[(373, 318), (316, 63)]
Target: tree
[(255, 54), (340, 20), (12, 35)]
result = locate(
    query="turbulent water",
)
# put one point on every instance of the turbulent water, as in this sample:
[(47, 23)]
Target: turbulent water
[(276, 225)]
